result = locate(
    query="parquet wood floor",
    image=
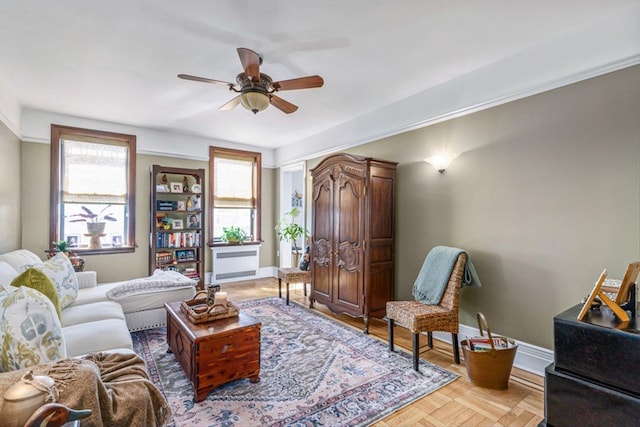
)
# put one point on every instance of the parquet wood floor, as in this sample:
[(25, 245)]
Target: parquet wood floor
[(459, 403)]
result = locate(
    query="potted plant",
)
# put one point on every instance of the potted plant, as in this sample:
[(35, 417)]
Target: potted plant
[(95, 222), (233, 234), (288, 230)]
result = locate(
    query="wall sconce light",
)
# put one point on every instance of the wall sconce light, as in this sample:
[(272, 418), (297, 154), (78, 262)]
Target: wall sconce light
[(441, 161)]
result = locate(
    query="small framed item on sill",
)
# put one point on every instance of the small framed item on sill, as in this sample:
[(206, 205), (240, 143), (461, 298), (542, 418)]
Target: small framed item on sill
[(176, 187), (116, 240), (177, 224)]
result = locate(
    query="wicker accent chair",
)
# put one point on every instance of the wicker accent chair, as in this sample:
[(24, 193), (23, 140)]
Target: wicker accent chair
[(419, 317)]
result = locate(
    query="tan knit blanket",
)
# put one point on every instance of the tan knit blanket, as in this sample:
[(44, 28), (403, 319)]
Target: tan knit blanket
[(114, 386)]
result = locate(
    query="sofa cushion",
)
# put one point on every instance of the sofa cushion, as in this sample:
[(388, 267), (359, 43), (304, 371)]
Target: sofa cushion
[(7, 273), (135, 302), (36, 279), (30, 331), (61, 272), (77, 314), (96, 336), (19, 258)]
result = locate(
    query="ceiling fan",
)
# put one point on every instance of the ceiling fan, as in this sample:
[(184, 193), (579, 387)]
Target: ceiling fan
[(257, 90)]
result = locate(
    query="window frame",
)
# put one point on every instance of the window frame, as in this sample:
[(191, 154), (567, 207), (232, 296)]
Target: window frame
[(57, 131), (256, 158)]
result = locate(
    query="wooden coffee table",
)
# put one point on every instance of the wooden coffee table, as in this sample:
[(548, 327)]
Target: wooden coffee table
[(214, 353)]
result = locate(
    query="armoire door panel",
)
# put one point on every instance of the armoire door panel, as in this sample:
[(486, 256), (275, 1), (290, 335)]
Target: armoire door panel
[(381, 196), (348, 290), (378, 290), (349, 205), (323, 211)]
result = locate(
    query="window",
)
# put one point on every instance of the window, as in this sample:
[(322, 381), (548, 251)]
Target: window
[(92, 190), (235, 192)]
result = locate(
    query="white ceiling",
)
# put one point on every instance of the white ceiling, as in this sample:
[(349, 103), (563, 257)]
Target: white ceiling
[(388, 65)]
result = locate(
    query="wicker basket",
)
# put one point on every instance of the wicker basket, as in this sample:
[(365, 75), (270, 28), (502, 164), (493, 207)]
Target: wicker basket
[(492, 368), (197, 310)]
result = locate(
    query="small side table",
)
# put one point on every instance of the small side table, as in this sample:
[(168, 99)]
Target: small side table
[(292, 275)]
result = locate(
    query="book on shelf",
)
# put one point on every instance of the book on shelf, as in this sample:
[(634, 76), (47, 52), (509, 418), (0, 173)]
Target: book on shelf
[(179, 239)]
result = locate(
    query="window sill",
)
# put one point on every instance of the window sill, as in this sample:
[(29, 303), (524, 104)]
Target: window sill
[(222, 244), (103, 251)]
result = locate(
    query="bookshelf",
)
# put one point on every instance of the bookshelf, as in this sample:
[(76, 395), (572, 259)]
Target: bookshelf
[(176, 238)]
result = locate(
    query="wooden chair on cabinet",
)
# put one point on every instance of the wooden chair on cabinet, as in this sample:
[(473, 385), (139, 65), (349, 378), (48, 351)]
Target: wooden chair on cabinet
[(419, 317)]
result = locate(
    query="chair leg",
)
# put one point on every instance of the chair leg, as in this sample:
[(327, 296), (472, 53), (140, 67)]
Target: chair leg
[(279, 287), (304, 285), (390, 324), (416, 350), (430, 339), (456, 349)]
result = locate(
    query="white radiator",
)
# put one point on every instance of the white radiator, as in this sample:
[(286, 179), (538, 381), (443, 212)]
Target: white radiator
[(232, 263)]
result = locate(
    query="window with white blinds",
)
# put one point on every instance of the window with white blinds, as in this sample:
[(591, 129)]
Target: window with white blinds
[(235, 178), (92, 182)]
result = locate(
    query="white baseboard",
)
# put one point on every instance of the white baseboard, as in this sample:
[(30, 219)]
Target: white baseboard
[(529, 357)]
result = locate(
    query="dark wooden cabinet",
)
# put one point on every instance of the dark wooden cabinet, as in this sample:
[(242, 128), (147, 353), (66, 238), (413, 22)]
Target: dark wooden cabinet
[(177, 221), (352, 250)]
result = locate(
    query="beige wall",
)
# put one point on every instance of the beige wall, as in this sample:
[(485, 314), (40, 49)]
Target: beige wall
[(544, 196), (10, 211), (114, 267)]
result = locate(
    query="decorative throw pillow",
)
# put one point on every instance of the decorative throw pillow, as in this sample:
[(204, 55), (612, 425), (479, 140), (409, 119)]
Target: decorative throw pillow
[(30, 331), (61, 272), (36, 279)]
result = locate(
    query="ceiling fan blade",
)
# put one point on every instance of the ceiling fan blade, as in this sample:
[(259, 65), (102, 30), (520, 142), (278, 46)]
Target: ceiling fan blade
[(203, 80), (299, 83), (231, 104), (250, 62), (282, 105)]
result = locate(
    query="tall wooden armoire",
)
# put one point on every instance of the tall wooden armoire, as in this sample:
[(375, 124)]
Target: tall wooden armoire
[(352, 250)]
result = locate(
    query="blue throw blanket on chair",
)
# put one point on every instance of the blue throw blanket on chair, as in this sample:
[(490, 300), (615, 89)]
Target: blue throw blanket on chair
[(436, 271)]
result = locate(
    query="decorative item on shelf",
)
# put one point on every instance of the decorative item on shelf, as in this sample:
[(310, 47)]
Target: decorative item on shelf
[(176, 187), (233, 234), (165, 223), (442, 161), (177, 224), (288, 230), (181, 205), (195, 188), (194, 201), (198, 310), (162, 188), (185, 184), (194, 221), (186, 255)]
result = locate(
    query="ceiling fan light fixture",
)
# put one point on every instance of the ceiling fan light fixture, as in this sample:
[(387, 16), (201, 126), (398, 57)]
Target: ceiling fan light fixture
[(254, 100)]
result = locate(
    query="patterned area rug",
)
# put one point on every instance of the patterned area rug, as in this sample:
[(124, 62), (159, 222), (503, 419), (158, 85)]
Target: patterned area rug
[(314, 372)]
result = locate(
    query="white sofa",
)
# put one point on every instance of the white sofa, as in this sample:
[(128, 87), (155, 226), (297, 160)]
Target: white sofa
[(96, 323)]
